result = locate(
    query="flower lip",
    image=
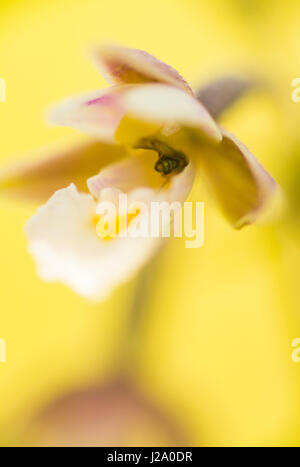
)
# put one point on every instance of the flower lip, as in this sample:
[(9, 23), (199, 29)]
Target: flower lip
[(97, 113), (78, 258), (62, 235)]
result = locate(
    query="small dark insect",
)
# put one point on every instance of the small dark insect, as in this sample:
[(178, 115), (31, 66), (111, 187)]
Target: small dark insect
[(167, 165), (169, 160)]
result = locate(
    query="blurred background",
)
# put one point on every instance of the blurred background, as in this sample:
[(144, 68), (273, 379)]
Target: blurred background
[(211, 360)]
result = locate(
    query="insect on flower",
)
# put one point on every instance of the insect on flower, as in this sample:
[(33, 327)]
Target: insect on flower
[(151, 137), (169, 160)]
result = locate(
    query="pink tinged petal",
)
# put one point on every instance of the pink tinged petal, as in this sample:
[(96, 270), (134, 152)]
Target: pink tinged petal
[(121, 65), (161, 104), (37, 180), (241, 186), (149, 106), (138, 171), (98, 113)]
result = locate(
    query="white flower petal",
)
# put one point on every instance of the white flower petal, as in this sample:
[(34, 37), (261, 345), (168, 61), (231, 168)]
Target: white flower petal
[(56, 167), (97, 113), (63, 241)]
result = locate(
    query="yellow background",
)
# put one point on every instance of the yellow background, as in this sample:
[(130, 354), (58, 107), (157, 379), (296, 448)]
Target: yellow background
[(215, 347)]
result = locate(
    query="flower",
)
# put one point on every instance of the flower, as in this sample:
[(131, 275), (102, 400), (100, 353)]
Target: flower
[(157, 136)]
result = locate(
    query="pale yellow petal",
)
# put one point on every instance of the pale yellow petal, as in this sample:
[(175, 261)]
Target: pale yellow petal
[(56, 168), (241, 186), (63, 241)]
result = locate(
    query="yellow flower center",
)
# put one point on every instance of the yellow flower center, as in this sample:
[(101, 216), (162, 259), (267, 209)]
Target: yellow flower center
[(108, 230)]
